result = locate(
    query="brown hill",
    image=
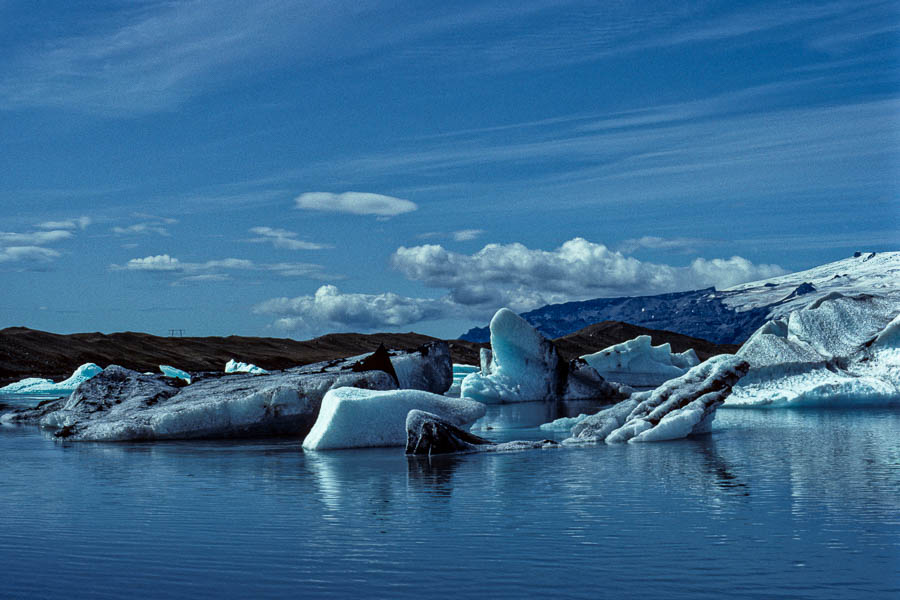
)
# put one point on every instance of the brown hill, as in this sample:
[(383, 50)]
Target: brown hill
[(606, 333), (30, 353)]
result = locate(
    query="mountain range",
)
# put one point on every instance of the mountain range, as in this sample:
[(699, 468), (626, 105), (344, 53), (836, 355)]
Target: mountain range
[(726, 316)]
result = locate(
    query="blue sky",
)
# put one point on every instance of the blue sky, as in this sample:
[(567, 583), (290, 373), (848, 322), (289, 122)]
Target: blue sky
[(289, 168)]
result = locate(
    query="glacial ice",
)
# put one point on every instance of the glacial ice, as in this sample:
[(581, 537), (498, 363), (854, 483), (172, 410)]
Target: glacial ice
[(36, 385), (680, 407), (638, 363), (459, 373), (524, 366), (121, 404), (839, 350), (428, 434), (356, 418), (428, 368), (233, 366), (175, 373)]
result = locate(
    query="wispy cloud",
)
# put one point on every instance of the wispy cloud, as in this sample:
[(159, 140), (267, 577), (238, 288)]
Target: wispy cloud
[(355, 203), (149, 224), (684, 245), (76, 223), (28, 249), (462, 235), (282, 238), (211, 270)]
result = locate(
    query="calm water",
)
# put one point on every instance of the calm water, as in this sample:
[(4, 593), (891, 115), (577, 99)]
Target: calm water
[(774, 504)]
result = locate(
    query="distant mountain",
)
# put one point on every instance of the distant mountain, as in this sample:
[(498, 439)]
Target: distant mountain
[(723, 316)]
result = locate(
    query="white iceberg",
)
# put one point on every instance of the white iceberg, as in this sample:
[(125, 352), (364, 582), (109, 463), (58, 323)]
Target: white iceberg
[(428, 368), (680, 407), (523, 366), (459, 373), (35, 385), (356, 418), (233, 366), (839, 350), (637, 363), (175, 373)]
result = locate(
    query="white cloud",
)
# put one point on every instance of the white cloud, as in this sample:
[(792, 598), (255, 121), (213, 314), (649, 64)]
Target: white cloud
[(36, 238), (658, 243), (27, 253), (141, 229), (356, 203), (281, 238), (330, 309), (465, 235), (524, 278), (498, 275), (76, 223), (210, 270)]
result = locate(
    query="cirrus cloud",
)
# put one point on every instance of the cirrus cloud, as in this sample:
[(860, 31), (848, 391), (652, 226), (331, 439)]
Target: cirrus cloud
[(282, 238), (355, 203)]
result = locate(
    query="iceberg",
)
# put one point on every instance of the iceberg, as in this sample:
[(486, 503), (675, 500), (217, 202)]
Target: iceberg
[(175, 373), (35, 385), (678, 408), (356, 418), (638, 363), (523, 366), (839, 350), (428, 368), (233, 366), (428, 434), (459, 373)]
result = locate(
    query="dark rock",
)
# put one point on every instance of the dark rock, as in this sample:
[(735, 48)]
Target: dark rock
[(429, 434)]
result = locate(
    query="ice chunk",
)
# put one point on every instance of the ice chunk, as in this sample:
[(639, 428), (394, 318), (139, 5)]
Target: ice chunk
[(459, 373), (175, 373), (837, 351), (428, 368), (34, 385), (233, 366), (638, 363), (354, 418), (429, 434), (525, 367), (680, 407), (120, 404)]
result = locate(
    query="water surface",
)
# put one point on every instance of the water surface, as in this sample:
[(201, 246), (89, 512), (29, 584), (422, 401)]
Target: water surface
[(773, 504)]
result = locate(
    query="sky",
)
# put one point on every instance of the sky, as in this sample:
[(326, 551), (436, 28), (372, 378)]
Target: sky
[(289, 169)]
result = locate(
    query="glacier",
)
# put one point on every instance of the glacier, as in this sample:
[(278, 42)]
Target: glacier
[(837, 350), (680, 407), (637, 363), (357, 418), (233, 366), (35, 385), (523, 366)]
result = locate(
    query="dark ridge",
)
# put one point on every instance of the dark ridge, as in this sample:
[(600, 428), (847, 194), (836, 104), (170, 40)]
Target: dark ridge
[(607, 333), (30, 353)]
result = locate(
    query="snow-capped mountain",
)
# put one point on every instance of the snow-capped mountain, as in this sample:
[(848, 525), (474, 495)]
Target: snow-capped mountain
[(723, 316)]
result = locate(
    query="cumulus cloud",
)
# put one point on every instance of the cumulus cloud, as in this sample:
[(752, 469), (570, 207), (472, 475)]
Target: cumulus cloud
[(524, 278), (76, 223), (282, 238), (356, 203), (498, 275), (331, 309)]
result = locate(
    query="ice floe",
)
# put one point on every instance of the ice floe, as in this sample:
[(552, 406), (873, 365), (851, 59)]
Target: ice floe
[(680, 407), (839, 350), (175, 373), (356, 418), (523, 366), (35, 385), (233, 366), (639, 364), (428, 434)]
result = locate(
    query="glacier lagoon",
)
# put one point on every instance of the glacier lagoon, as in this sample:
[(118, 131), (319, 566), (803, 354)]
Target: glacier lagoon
[(798, 503)]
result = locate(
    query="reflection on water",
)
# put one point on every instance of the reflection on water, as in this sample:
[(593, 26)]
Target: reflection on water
[(771, 504)]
